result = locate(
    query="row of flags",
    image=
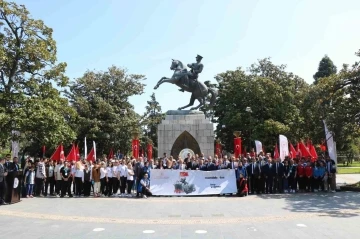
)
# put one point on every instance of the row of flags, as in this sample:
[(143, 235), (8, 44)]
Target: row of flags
[(285, 148), (74, 154)]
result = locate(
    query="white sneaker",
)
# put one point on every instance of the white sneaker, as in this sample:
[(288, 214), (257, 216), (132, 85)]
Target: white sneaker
[(144, 196), (332, 191)]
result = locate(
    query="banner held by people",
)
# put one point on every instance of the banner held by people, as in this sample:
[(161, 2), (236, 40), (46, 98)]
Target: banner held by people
[(190, 183)]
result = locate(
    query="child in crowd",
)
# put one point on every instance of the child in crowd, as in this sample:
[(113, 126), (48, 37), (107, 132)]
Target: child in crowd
[(30, 181)]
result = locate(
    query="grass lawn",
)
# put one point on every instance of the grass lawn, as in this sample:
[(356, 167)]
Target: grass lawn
[(354, 164), (348, 170)]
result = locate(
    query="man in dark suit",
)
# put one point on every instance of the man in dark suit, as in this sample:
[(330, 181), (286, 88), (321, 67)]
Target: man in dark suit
[(15, 165), (7, 163), (278, 172), (3, 174), (268, 176), (192, 165), (253, 171), (138, 171), (212, 165)]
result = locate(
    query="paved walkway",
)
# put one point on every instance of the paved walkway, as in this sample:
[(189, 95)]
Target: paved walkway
[(316, 215), (343, 179)]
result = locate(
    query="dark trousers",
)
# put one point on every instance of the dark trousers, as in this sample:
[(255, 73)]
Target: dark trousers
[(122, 184), (130, 184), (109, 187), (308, 184), (103, 186), (115, 185), (146, 192), (2, 191), (278, 184), (87, 187), (49, 182), (58, 186), (292, 182), (78, 186), (39, 182), (137, 185), (254, 184), (66, 188), (301, 182), (269, 184)]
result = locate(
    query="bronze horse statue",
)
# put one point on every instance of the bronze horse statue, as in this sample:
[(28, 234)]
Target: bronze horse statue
[(199, 90)]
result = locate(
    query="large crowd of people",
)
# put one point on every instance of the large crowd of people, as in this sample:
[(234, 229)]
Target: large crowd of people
[(130, 177)]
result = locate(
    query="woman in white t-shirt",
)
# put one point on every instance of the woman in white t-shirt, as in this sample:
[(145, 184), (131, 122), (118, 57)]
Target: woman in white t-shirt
[(103, 172), (129, 179), (109, 177), (122, 173)]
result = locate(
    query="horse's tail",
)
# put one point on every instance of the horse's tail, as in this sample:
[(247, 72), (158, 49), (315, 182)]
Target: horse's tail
[(213, 97)]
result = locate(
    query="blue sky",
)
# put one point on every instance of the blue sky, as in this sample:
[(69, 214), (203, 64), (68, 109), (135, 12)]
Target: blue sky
[(143, 36)]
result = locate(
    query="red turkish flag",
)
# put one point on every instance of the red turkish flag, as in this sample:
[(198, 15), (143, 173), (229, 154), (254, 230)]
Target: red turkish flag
[(43, 151), (135, 148), (218, 150), (58, 154), (111, 154), (77, 152), (313, 153), (323, 145), (304, 150), (276, 152), (91, 155), (149, 151), (72, 154), (292, 151), (237, 147)]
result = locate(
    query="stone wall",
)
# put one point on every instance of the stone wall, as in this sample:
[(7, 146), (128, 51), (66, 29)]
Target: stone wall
[(194, 122)]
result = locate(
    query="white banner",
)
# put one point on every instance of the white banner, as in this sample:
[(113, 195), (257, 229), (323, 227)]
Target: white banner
[(284, 147), (331, 145), (191, 182), (258, 146)]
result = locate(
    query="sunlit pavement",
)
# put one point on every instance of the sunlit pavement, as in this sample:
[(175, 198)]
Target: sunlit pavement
[(312, 215)]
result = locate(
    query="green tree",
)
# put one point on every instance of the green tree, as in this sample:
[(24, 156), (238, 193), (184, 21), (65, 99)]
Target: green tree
[(150, 120), (337, 98), (274, 97), (28, 71), (105, 115), (326, 68)]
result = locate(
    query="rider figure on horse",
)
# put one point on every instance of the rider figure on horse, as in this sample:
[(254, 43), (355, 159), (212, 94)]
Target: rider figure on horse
[(196, 69)]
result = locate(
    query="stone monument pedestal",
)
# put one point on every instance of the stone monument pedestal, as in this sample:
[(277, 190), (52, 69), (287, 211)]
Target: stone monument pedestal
[(185, 129)]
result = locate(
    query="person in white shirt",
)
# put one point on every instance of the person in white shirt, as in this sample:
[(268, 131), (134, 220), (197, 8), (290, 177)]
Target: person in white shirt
[(122, 175), (109, 177), (145, 186), (103, 172), (115, 177), (40, 177), (72, 177), (58, 177), (79, 179), (129, 179)]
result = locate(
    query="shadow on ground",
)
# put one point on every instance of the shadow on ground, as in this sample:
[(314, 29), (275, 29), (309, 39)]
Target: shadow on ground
[(340, 204)]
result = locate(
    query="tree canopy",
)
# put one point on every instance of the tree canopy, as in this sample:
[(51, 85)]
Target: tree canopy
[(101, 100), (28, 72), (326, 68)]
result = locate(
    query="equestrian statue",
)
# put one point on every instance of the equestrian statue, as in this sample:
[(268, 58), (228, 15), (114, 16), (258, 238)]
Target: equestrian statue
[(188, 81)]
